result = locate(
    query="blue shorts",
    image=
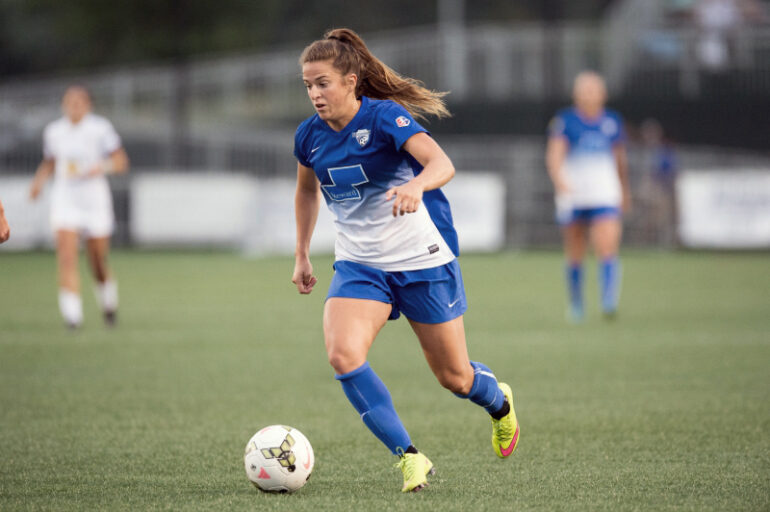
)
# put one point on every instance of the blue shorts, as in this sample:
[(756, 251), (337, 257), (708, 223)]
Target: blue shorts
[(588, 215), (429, 296)]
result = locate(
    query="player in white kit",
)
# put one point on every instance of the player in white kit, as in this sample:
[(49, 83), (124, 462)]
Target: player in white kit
[(586, 160), (79, 150)]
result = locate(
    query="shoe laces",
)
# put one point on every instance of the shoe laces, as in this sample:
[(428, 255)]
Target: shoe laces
[(503, 428), (407, 465)]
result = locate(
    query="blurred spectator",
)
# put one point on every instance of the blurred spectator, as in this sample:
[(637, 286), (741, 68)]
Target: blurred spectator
[(717, 21), (659, 181)]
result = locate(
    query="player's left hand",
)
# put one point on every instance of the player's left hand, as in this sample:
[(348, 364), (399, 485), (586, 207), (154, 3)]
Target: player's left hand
[(408, 197), (94, 171)]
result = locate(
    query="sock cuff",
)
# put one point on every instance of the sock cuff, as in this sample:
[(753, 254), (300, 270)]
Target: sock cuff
[(353, 373), (610, 260), (63, 292), (477, 369)]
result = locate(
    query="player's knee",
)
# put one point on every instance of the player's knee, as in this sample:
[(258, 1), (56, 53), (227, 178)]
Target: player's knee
[(342, 361), (456, 382)]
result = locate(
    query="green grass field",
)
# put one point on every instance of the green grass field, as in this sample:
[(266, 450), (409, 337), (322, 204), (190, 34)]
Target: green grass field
[(667, 408)]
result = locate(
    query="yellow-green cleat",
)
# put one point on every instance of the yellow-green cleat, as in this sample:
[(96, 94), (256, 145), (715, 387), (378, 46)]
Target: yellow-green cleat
[(505, 431), (415, 468)]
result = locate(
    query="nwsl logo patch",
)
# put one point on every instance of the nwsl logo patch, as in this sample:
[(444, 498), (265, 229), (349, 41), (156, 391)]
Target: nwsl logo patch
[(402, 121), (362, 136)]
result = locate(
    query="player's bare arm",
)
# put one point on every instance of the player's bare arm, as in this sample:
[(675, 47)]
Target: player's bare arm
[(437, 171), (621, 159), (555, 153), (115, 163), (44, 171), (307, 200)]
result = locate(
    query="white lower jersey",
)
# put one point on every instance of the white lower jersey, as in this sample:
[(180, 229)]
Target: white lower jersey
[(593, 180), (83, 205), (382, 241)]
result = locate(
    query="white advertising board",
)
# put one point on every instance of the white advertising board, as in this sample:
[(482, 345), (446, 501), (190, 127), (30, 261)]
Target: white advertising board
[(724, 209)]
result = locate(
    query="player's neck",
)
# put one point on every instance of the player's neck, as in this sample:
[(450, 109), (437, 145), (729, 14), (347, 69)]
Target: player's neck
[(339, 124), (590, 113), (76, 120)]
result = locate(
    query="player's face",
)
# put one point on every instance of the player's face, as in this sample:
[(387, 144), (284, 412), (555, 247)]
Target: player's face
[(76, 104), (590, 93), (331, 93)]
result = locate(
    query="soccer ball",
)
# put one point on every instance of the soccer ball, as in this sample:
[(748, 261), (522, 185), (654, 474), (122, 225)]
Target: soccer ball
[(278, 459)]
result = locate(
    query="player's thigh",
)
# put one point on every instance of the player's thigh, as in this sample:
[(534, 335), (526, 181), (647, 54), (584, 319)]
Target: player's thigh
[(67, 249), (605, 234), (575, 237), (350, 326), (446, 352)]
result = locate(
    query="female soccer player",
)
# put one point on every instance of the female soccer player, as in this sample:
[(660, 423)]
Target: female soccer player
[(80, 149), (380, 172), (586, 160)]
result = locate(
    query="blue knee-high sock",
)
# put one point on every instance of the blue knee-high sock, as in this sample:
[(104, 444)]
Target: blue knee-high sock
[(371, 399), (575, 287), (609, 272), (485, 391)]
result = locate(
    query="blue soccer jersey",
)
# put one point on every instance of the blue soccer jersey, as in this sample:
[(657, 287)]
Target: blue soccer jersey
[(590, 166), (356, 167)]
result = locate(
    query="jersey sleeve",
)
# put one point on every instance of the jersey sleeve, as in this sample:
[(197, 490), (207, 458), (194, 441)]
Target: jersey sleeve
[(110, 140), (619, 136), (398, 124), (557, 127), (300, 149)]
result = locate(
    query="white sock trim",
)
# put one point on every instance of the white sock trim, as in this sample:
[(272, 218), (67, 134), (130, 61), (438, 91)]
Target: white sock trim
[(107, 295)]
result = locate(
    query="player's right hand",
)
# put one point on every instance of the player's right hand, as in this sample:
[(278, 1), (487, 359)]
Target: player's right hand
[(303, 276)]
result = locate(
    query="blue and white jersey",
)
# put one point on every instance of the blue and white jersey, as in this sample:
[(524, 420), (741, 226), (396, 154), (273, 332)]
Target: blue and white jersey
[(590, 166), (356, 167)]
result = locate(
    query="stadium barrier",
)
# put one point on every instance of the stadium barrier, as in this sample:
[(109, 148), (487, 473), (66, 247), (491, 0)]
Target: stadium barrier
[(725, 209), (239, 211)]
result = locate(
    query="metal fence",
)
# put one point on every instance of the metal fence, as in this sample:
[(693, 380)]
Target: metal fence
[(236, 112)]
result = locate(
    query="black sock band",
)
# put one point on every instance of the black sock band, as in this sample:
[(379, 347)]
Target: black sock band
[(411, 449), (504, 410)]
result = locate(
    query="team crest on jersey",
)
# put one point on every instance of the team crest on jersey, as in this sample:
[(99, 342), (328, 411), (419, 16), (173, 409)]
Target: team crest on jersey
[(362, 136), (402, 121), (609, 127)]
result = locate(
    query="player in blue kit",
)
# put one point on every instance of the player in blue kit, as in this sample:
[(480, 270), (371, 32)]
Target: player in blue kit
[(586, 160), (379, 172)]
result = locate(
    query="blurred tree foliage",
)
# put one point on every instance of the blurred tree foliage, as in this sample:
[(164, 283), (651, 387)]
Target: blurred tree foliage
[(41, 36)]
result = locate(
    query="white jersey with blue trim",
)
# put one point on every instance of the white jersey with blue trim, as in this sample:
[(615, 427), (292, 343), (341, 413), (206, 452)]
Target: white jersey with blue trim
[(590, 166), (356, 167)]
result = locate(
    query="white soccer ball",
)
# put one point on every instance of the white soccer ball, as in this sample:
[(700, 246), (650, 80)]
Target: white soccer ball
[(278, 459)]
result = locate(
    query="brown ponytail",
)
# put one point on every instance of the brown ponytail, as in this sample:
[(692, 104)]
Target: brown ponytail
[(349, 54)]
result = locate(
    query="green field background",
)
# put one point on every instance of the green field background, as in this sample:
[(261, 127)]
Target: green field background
[(665, 408)]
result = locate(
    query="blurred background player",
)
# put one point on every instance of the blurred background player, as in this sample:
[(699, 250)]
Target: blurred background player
[(80, 149), (586, 160), (396, 246), (5, 230)]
